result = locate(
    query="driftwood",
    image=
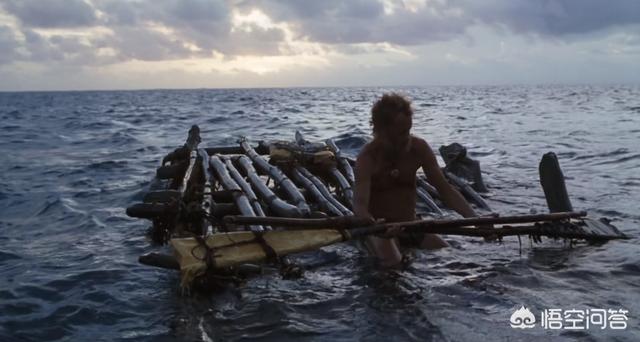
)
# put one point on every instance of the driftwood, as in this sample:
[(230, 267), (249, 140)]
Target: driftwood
[(458, 162), (467, 191), (276, 204), (183, 152), (152, 210), (424, 196), (241, 200), (344, 185), (422, 182), (354, 221), (314, 192), (246, 188), (261, 149), (324, 191), (241, 247), (341, 222), (161, 196), (207, 204), (343, 163), (552, 180), (279, 178), (173, 171)]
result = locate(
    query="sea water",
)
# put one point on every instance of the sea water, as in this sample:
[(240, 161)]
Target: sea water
[(71, 162)]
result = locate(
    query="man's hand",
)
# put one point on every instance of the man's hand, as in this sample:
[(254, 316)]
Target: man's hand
[(391, 232), (488, 238)]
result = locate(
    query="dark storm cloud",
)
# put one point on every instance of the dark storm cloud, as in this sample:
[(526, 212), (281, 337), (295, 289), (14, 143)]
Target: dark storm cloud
[(51, 13)]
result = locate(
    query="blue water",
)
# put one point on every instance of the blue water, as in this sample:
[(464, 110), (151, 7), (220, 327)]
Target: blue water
[(71, 162)]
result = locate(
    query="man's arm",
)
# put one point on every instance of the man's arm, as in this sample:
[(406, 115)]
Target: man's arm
[(362, 190), (450, 196)]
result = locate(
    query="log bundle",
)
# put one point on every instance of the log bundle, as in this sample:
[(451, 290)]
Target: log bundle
[(241, 193)]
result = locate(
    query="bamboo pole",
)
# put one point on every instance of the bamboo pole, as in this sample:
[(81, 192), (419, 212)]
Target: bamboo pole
[(279, 178)]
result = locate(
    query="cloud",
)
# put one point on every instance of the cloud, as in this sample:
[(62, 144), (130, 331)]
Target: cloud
[(51, 13), (554, 17), (412, 22), (8, 45), (236, 34)]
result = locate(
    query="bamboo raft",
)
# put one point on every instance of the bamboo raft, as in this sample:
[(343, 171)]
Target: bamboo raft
[(225, 210)]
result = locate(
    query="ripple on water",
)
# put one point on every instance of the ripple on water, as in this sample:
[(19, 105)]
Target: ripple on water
[(68, 252)]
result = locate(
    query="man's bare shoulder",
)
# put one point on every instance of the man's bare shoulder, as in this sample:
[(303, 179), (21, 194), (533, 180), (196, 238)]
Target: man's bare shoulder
[(366, 157), (368, 150), (420, 145)]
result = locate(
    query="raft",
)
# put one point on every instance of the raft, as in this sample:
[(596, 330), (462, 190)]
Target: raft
[(227, 210)]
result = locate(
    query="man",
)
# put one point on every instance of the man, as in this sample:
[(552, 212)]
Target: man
[(386, 178)]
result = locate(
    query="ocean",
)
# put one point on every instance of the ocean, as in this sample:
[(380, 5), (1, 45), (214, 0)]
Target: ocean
[(71, 162)]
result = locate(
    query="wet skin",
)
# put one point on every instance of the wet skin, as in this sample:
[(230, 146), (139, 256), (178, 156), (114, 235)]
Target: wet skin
[(386, 189)]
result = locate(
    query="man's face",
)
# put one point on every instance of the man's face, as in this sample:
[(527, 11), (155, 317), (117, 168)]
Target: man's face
[(398, 133)]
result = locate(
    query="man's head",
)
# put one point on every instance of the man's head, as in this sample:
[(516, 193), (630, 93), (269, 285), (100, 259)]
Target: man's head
[(391, 118)]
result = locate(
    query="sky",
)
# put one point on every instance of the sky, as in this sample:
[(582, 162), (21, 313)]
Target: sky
[(150, 44)]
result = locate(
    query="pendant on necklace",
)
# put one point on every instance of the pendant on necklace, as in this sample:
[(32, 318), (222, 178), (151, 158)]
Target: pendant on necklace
[(394, 173)]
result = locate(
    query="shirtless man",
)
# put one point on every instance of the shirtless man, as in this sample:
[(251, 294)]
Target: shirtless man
[(386, 177)]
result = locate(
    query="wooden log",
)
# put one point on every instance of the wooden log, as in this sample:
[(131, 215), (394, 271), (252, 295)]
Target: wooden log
[(173, 171), (152, 210), (257, 208), (182, 153), (343, 163), (421, 181), (426, 199), (552, 181), (460, 164), (161, 196), (222, 196), (261, 149), (343, 185), (279, 178), (323, 190), (315, 193), (340, 222), (241, 247), (352, 221), (165, 261), (276, 204), (241, 200), (207, 204), (169, 262), (224, 209), (246, 188), (467, 191)]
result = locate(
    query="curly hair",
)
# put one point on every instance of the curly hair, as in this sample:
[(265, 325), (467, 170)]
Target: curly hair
[(386, 108)]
